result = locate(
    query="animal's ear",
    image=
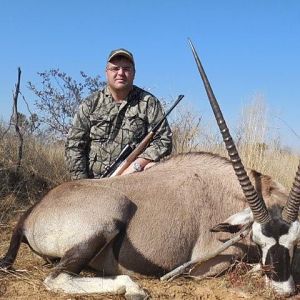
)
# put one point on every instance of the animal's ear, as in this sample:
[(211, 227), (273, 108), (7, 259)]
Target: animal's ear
[(235, 222), (226, 227)]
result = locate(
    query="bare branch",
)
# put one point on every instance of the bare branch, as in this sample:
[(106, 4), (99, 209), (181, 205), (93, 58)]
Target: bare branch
[(16, 120), (181, 269)]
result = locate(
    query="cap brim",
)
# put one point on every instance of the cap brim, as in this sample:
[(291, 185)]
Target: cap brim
[(121, 53)]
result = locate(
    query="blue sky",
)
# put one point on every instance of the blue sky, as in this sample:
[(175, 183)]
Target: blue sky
[(246, 47)]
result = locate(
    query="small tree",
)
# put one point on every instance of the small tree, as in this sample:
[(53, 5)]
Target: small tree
[(59, 96), (27, 125)]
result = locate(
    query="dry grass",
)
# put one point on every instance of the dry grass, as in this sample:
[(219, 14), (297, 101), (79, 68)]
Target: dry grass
[(42, 167), (257, 141), (241, 276), (259, 144)]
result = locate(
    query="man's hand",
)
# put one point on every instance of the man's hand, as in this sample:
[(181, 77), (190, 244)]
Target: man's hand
[(144, 163)]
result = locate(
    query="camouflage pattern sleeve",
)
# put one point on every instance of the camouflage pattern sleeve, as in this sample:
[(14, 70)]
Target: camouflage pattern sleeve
[(78, 143), (161, 144)]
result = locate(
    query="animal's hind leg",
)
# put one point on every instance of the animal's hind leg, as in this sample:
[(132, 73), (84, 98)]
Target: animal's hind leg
[(7, 261), (63, 279), (80, 255)]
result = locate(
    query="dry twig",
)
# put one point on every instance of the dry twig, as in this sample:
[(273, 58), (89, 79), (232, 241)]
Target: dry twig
[(181, 269)]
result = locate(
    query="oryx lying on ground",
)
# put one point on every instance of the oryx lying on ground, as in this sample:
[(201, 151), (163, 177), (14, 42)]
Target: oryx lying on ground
[(151, 222), (146, 223)]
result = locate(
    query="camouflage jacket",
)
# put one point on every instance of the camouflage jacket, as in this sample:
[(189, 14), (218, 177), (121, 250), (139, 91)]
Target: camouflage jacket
[(102, 128)]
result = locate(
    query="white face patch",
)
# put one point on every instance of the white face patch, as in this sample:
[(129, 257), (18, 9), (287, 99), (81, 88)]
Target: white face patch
[(243, 217), (290, 239), (282, 288), (261, 240)]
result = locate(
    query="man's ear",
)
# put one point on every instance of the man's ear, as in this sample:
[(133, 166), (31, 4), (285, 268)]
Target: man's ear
[(235, 222)]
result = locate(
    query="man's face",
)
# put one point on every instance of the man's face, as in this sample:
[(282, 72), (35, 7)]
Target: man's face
[(120, 73)]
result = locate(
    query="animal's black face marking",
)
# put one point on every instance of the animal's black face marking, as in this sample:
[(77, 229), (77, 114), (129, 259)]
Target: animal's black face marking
[(275, 228), (278, 258), (277, 255)]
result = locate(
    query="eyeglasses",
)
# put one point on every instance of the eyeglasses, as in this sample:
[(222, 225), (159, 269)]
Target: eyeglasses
[(117, 69)]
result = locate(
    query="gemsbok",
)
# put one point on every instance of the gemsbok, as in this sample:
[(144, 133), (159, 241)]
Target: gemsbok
[(152, 222)]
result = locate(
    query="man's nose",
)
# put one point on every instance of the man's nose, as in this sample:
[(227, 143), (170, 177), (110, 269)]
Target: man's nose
[(121, 71)]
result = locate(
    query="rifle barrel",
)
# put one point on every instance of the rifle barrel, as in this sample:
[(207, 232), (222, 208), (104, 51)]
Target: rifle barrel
[(155, 128)]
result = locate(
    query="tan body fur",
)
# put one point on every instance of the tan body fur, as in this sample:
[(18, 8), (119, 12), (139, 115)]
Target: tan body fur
[(168, 210)]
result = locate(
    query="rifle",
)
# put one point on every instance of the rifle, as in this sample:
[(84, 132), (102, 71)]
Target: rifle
[(131, 151)]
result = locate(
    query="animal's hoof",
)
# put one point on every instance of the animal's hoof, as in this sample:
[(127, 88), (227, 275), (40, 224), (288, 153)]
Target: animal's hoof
[(5, 264)]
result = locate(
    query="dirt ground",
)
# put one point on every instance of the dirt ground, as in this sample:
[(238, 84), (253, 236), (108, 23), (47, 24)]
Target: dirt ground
[(26, 282)]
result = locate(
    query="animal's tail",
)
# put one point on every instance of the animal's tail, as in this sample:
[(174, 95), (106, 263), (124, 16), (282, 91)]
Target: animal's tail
[(17, 237)]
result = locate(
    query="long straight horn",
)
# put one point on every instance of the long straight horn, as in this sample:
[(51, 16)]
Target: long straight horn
[(256, 204), (290, 212)]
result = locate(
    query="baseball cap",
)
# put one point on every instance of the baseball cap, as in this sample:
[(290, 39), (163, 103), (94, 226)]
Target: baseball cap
[(121, 52)]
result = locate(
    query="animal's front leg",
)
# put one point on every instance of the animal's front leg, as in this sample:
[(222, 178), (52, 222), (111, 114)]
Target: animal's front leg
[(115, 285)]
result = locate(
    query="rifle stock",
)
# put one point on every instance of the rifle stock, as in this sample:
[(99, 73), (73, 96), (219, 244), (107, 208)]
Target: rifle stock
[(122, 156)]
